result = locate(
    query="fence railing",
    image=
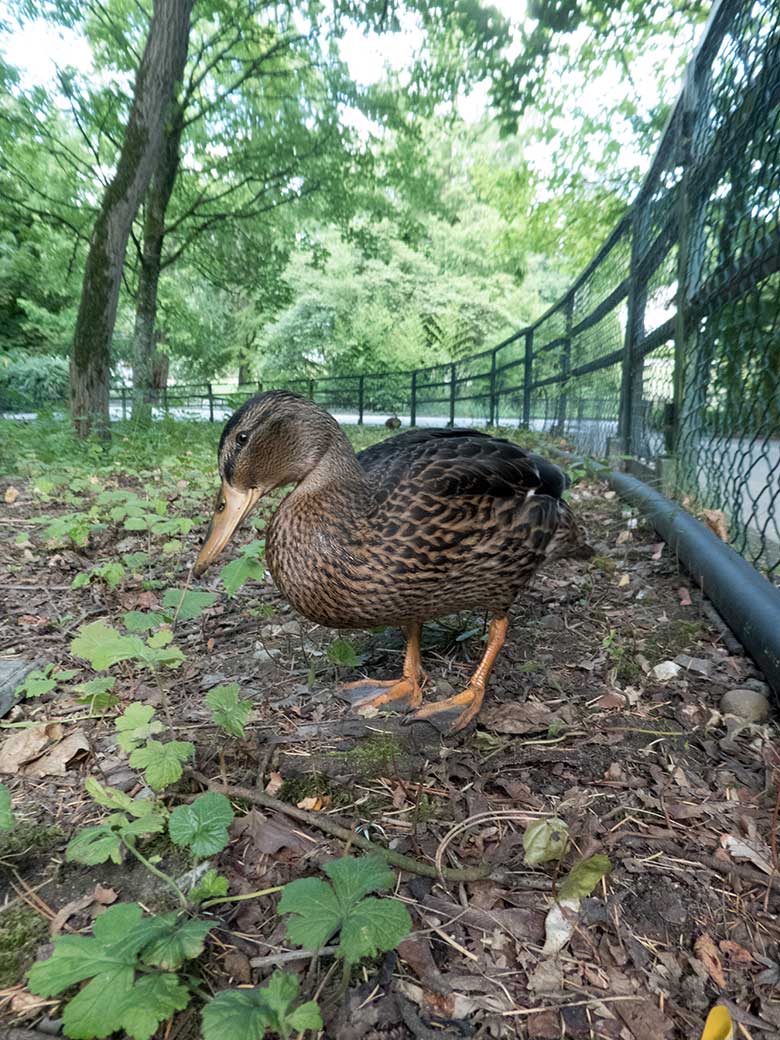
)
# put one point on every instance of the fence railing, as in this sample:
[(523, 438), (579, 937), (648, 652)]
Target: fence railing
[(666, 349)]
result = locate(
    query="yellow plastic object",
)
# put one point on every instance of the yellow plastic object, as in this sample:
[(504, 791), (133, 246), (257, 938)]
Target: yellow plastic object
[(718, 1025)]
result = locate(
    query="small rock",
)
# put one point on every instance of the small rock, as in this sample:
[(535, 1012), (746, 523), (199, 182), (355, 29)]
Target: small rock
[(694, 664), (552, 621), (291, 628), (264, 656), (746, 704), (666, 670)]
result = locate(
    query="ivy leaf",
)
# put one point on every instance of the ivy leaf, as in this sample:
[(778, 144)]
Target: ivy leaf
[(103, 646), (319, 910), (152, 1000), (176, 940), (193, 603), (203, 824), (6, 811), (135, 726), (162, 763), (211, 886), (238, 572), (545, 840), (228, 709), (583, 878)]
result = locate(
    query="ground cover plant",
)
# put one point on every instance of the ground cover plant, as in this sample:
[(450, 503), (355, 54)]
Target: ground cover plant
[(193, 822)]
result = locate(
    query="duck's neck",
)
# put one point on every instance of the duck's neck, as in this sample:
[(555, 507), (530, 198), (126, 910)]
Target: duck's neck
[(337, 472)]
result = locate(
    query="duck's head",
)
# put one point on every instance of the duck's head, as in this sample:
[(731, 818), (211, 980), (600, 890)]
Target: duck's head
[(273, 439)]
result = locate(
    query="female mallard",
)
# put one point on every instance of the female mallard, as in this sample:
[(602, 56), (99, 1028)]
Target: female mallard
[(423, 524)]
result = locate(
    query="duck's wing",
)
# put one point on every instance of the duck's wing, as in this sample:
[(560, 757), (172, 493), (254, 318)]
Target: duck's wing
[(407, 444)]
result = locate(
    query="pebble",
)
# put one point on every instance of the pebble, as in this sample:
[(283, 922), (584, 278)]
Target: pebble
[(264, 657), (746, 704), (552, 621), (666, 670)]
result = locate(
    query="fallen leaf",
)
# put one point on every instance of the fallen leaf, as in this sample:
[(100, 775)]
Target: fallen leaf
[(416, 951), (609, 701), (718, 1025), (735, 953), (56, 760), (666, 670), (740, 849), (33, 620), (708, 955), (684, 596), (623, 537), (715, 519), (624, 580), (547, 977), (700, 665), (316, 803), (658, 550), (268, 834), (26, 744), (559, 926), (11, 495), (531, 717), (25, 1004), (275, 784), (73, 907), (237, 966)]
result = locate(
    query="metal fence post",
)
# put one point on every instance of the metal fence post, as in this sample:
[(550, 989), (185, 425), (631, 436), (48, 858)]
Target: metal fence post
[(211, 402), (453, 375), (493, 399), (623, 443), (311, 389), (361, 387), (124, 403), (259, 387), (413, 402), (528, 369), (565, 364)]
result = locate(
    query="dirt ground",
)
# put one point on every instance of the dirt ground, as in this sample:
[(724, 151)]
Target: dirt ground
[(576, 724)]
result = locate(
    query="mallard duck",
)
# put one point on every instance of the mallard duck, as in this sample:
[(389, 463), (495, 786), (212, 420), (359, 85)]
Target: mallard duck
[(426, 523)]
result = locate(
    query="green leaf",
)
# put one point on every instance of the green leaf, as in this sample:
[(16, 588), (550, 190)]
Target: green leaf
[(373, 926), (136, 725), (37, 683), (238, 572), (211, 886), (6, 811), (319, 910), (342, 652), (545, 840), (305, 1016), (152, 1000), (162, 763), (246, 1014), (176, 940), (193, 602), (109, 797), (354, 877), (141, 620), (93, 845), (96, 693), (203, 824), (228, 709), (583, 878), (103, 646)]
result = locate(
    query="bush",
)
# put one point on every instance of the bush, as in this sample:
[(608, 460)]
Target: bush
[(32, 381)]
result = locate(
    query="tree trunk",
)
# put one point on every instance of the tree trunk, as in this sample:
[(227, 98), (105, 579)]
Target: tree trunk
[(161, 69), (157, 199), (244, 373)]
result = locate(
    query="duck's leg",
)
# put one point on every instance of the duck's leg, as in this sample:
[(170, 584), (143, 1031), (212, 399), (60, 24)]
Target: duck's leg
[(471, 698), (407, 688)]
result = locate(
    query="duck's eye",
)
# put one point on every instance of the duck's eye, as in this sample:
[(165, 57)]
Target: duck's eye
[(242, 437)]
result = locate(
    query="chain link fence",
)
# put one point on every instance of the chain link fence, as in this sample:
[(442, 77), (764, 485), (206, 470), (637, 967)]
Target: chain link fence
[(666, 350)]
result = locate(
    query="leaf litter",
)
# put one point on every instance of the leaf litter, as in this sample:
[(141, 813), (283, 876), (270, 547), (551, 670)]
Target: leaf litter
[(585, 723)]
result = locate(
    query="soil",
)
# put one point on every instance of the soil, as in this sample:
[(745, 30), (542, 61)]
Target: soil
[(575, 725)]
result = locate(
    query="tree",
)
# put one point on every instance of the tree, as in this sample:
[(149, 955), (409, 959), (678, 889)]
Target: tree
[(159, 73)]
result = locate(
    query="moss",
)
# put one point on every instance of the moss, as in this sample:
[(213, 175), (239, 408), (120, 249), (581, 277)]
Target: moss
[(21, 930), (315, 785), (373, 756), (673, 637), (30, 838), (603, 563)]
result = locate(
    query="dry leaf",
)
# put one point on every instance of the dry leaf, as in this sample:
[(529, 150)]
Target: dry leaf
[(104, 896), (624, 580), (623, 537), (708, 955), (56, 760), (531, 717), (73, 907), (610, 700), (315, 804), (658, 550), (26, 744), (269, 834), (718, 1025), (735, 953), (275, 784), (11, 495), (740, 849), (716, 521)]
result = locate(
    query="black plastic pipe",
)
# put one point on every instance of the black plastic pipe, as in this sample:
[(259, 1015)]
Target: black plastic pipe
[(747, 602)]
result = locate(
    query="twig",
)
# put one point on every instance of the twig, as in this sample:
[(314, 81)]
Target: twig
[(272, 959), (335, 830)]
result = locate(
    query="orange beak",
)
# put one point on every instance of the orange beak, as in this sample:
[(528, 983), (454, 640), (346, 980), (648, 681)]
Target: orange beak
[(232, 507)]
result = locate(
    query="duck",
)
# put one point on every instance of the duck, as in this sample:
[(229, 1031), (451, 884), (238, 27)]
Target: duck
[(423, 524)]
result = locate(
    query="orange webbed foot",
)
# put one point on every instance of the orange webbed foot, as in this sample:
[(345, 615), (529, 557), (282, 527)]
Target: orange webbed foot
[(466, 704), (374, 693)]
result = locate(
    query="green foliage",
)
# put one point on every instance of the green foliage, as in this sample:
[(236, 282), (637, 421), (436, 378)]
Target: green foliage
[(247, 567), (117, 996), (583, 878), (163, 764), (341, 652), (228, 709), (248, 1014), (29, 381), (104, 646), (366, 926), (211, 886), (203, 824), (135, 725), (189, 604), (545, 840), (6, 809), (43, 680), (112, 573)]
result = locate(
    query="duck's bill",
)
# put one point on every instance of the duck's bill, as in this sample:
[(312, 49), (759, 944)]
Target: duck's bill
[(231, 508)]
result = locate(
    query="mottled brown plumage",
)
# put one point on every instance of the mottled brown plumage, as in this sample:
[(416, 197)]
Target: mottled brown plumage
[(423, 524)]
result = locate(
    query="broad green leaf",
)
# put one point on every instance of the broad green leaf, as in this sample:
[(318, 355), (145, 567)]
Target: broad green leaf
[(6, 811), (135, 725), (103, 646), (95, 1010), (141, 620), (238, 572), (228, 709), (342, 652), (193, 602), (203, 824), (354, 877), (315, 909), (109, 797), (93, 845), (236, 1014), (176, 940), (36, 684), (373, 926), (583, 878), (162, 763), (97, 693), (305, 1016), (160, 639), (545, 840), (152, 1000), (278, 994), (211, 886)]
